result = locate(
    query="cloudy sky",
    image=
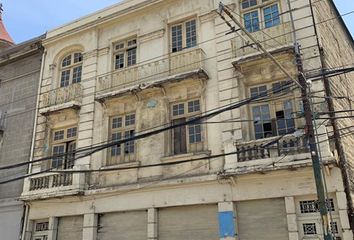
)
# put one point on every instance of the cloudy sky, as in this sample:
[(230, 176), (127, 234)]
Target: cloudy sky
[(27, 19)]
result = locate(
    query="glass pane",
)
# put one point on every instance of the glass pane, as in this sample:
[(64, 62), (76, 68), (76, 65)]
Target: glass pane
[(129, 146), (191, 34), (77, 57), (116, 150), (77, 74), (66, 61), (178, 109), (119, 61), (65, 77), (131, 56), (130, 120), (176, 32), (71, 132), (58, 135), (194, 106), (117, 122)]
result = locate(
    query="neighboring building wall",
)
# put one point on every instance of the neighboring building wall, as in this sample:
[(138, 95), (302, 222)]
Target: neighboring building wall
[(19, 79), (338, 52)]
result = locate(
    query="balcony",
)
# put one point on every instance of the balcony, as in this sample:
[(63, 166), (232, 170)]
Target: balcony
[(272, 38), (259, 149), (52, 184), (179, 66), (60, 98)]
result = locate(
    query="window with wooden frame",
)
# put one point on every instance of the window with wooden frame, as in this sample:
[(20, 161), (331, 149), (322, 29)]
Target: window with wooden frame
[(186, 138), (122, 127), (273, 117), (259, 14), (183, 35), (71, 69), (125, 53), (63, 147)]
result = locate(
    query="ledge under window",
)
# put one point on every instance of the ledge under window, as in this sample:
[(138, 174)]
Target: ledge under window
[(122, 165), (185, 156)]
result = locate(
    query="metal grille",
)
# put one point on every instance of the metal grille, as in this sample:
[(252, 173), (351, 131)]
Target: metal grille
[(312, 206), (309, 228), (41, 226)]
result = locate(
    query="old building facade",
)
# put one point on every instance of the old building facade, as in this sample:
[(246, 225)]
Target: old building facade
[(133, 70), (19, 81)]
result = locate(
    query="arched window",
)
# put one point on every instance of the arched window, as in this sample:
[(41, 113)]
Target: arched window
[(71, 69)]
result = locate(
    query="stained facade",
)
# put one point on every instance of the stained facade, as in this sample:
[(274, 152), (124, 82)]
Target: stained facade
[(130, 72)]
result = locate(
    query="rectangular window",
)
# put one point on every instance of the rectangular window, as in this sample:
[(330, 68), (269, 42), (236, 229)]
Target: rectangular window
[(184, 35), (186, 138), (259, 91), (191, 34), (58, 135), (65, 78), (57, 161), (77, 71), (125, 54), (177, 43), (285, 120), (195, 133), (311, 206), (63, 147), (309, 228), (248, 3), (119, 61), (122, 127), (251, 21), (271, 16), (281, 87), (131, 57), (262, 121)]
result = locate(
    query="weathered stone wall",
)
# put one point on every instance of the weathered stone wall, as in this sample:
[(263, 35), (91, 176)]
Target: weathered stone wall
[(19, 77), (19, 85), (338, 51)]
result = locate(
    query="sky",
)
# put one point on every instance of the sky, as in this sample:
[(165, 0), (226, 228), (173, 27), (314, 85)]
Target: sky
[(28, 19)]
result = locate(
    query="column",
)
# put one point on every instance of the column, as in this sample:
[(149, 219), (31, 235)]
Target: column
[(90, 226), (152, 224), (291, 218), (343, 215), (227, 229), (53, 228)]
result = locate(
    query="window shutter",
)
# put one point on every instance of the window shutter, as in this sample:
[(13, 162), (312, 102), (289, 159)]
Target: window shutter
[(179, 137)]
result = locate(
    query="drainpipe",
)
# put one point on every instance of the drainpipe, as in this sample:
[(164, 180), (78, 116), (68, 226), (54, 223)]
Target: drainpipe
[(337, 140), (25, 220)]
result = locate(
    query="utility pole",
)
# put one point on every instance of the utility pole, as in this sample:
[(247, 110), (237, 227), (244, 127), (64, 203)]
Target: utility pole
[(302, 83)]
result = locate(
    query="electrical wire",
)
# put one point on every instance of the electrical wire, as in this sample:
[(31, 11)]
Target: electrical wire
[(145, 134)]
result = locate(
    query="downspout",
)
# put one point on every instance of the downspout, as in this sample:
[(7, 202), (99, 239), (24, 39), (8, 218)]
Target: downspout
[(338, 143), (27, 207)]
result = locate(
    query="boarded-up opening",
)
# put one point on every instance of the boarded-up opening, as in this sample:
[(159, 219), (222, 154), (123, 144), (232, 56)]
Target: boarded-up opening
[(199, 222), (262, 219), (70, 228), (123, 226)]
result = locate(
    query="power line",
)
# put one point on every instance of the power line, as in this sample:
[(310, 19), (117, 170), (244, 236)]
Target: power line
[(145, 134)]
